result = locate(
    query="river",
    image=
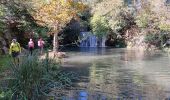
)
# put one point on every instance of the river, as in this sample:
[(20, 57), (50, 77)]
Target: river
[(118, 74)]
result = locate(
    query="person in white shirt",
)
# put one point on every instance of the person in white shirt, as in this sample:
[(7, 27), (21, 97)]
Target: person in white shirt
[(41, 45), (31, 46)]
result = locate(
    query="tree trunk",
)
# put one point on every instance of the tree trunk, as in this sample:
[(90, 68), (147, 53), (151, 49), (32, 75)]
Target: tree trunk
[(55, 43), (55, 39)]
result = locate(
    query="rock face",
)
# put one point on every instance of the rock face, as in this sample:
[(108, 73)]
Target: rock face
[(4, 42), (136, 40)]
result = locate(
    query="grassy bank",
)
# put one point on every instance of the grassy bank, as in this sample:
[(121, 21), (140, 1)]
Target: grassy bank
[(34, 79), (4, 60)]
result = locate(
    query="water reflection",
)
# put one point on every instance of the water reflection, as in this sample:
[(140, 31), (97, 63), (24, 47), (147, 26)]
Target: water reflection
[(119, 74)]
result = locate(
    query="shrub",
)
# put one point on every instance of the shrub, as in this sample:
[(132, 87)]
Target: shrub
[(142, 20), (123, 19), (34, 78), (156, 39), (164, 27)]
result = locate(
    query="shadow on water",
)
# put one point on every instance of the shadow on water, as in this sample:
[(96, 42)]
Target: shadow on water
[(111, 74)]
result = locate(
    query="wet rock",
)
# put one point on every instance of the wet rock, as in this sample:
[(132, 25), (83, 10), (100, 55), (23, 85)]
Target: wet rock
[(61, 54)]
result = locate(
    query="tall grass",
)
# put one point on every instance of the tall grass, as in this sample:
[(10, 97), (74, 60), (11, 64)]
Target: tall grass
[(35, 78)]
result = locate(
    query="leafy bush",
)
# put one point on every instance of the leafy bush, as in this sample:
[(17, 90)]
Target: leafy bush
[(142, 20), (164, 27), (34, 78), (121, 19), (150, 38), (156, 39)]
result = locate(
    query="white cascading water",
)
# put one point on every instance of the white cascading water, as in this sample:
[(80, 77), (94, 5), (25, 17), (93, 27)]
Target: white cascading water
[(103, 41), (90, 40)]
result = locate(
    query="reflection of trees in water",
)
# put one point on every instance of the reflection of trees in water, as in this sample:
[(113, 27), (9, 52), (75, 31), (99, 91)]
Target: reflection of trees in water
[(132, 55), (108, 78), (116, 82), (127, 88), (154, 92), (101, 83), (135, 86)]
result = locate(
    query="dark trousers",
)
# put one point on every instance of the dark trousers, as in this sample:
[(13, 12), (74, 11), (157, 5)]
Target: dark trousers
[(31, 50), (15, 56)]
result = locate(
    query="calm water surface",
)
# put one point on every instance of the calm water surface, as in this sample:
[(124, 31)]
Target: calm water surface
[(119, 74)]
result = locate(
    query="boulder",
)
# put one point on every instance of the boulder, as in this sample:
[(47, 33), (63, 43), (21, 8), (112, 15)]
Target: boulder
[(60, 54)]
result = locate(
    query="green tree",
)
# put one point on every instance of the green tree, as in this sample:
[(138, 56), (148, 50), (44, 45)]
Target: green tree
[(56, 14), (116, 14), (99, 25)]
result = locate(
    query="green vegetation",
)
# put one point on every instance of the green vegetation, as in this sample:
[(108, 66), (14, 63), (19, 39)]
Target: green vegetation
[(142, 20), (114, 20), (128, 23), (26, 19), (99, 25), (35, 78), (3, 62), (164, 27)]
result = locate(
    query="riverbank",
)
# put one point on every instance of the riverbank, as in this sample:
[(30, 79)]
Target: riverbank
[(166, 50)]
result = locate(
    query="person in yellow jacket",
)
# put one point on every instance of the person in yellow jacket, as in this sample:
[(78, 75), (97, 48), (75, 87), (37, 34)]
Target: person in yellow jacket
[(15, 50)]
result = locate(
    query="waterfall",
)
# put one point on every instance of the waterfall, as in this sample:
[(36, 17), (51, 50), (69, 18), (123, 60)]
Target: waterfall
[(93, 41), (90, 40), (103, 41)]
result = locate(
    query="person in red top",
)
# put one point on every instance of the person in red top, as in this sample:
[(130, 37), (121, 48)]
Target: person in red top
[(31, 46), (41, 45)]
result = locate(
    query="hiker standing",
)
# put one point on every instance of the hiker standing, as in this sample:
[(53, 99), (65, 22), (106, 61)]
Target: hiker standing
[(31, 46), (15, 50), (41, 45)]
